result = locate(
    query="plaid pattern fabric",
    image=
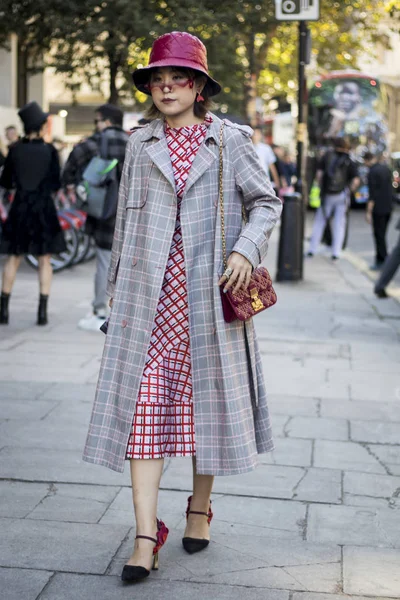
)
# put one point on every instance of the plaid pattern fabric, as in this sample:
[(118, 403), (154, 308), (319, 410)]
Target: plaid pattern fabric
[(80, 157), (163, 424), (231, 416)]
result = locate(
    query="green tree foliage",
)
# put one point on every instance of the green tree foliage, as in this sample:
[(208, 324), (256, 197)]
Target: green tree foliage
[(250, 53)]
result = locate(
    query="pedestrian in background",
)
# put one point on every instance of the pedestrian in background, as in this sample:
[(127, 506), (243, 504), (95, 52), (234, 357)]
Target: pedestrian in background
[(337, 176), (280, 165), (388, 269), (379, 205), (108, 123), (12, 135), (165, 390), (32, 225), (266, 156), (288, 167)]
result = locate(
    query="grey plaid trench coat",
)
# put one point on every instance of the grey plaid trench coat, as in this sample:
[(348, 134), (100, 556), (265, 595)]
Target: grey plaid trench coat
[(231, 415)]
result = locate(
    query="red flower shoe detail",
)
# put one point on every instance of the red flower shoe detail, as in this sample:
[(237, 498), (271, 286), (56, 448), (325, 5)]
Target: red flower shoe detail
[(209, 515)]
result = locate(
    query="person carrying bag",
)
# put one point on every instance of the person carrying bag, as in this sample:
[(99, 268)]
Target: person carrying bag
[(97, 194), (93, 171)]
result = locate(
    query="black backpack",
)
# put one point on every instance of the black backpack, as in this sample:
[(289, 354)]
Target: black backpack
[(336, 172)]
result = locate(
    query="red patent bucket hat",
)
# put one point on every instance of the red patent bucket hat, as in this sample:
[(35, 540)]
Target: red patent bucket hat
[(176, 49)]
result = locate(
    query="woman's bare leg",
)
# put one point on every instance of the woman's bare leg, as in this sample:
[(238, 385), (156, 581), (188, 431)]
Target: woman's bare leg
[(197, 526), (9, 272), (145, 476), (45, 274)]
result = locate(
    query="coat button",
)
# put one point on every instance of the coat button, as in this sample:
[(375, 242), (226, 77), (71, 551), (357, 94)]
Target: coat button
[(134, 261), (214, 330), (124, 323)]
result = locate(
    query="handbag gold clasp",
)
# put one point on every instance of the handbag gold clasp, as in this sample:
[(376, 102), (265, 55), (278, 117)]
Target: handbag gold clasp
[(256, 300)]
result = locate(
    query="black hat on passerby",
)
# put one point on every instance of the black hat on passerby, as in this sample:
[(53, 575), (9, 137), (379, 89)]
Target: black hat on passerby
[(111, 113), (32, 117)]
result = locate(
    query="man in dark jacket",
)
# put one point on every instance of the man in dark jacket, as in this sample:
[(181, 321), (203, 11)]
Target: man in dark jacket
[(108, 121), (379, 206)]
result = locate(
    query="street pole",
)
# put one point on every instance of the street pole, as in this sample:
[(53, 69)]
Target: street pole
[(301, 126)]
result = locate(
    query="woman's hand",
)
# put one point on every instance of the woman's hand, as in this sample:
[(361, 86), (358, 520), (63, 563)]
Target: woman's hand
[(241, 273)]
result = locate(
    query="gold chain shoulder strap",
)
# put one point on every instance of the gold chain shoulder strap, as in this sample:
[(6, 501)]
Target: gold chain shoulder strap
[(221, 195)]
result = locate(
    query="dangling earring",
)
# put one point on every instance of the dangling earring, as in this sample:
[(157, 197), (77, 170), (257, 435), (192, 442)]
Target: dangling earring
[(199, 97)]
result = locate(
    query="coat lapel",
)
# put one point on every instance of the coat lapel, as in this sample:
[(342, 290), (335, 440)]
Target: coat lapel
[(203, 160), (158, 152)]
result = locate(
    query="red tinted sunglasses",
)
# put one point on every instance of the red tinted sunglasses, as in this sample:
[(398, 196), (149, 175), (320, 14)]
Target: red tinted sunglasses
[(162, 85)]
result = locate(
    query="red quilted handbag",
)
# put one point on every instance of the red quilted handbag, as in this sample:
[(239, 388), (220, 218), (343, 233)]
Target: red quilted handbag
[(260, 294)]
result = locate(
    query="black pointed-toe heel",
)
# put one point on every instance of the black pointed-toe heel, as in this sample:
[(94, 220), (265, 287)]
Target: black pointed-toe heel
[(192, 545), (133, 573)]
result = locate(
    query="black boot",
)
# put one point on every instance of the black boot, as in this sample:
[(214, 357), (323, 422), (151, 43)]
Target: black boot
[(42, 310), (4, 298)]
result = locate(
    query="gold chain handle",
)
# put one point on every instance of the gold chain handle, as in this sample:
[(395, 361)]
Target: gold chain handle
[(221, 196)]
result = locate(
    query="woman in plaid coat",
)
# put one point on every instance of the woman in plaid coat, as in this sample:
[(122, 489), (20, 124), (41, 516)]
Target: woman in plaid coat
[(175, 378)]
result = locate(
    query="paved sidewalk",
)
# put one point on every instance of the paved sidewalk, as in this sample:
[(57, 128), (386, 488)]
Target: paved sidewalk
[(318, 520)]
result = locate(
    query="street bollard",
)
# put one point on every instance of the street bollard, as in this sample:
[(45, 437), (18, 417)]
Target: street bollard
[(290, 256)]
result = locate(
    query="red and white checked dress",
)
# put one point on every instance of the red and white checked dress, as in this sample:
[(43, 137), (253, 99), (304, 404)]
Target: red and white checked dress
[(163, 424)]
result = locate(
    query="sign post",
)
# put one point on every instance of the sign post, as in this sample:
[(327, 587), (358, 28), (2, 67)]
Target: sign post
[(301, 11), (290, 259)]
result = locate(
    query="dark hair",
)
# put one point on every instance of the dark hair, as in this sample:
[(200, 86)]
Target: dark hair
[(111, 113), (200, 109), (342, 143), (34, 128), (368, 156), (10, 127)]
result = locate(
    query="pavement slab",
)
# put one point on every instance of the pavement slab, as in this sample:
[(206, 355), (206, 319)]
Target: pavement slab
[(65, 587), (74, 503), (290, 452), (171, 507), (352, 525), (55, 546), (25, 410), (317, 520), (293, 405), (21, 390), (372, 571), (19, 498), (373, 486), (58, 466), (268, 481), (313, 596), (22, 584), (348, 456), (320, 485), (318, 428), (375, 432), (361, 410)]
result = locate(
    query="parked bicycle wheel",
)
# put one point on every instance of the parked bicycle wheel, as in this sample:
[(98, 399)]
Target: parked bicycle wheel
[(79, 219), (92, 250), (64, 259), (83, 248)]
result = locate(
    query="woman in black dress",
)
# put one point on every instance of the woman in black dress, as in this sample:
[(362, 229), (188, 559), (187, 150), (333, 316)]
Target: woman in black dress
[(32, 226)]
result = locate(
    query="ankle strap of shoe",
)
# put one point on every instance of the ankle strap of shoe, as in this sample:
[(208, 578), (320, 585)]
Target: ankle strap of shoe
[(145, 537), (196, 512)]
